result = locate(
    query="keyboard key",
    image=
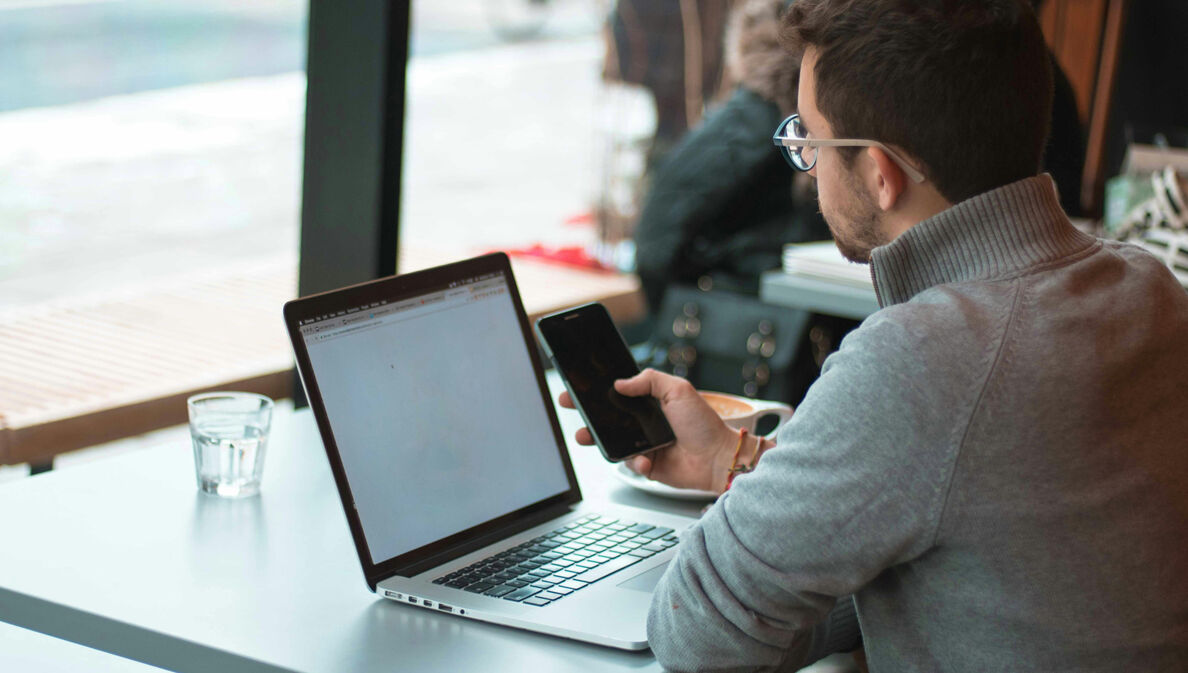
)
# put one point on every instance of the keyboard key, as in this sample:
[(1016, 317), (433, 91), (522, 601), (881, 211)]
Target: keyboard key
[(479, 587), (656, 532), (542, 584), (655, 546), (606, 569), (564, 591), (537, 601), (521, 593), (548, 595), (571, 584), (640, 528), (585, 565), (563, 574), (501, 590), (639, 553)]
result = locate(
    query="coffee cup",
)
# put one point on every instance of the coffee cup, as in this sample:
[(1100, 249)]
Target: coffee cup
[(743, 412)]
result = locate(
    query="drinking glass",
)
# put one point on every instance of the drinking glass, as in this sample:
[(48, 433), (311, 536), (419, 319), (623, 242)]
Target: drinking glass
[(230, 434)]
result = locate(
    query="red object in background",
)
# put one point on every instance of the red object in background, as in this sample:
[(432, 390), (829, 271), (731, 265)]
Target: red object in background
[(585, 219), (570, 256)]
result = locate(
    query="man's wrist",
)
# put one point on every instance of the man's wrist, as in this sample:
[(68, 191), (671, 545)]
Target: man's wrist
[(724, 457), (743, 456)]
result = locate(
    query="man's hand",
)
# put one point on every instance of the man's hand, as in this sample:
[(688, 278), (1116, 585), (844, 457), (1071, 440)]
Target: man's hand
[(704, 446)]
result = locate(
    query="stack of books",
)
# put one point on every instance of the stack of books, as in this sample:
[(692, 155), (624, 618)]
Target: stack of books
[(823, 260)]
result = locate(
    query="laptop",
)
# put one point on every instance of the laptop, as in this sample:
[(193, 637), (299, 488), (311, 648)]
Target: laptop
[(451, 465)]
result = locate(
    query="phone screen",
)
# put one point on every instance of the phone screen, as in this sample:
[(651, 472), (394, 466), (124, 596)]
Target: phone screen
[(590, 354)]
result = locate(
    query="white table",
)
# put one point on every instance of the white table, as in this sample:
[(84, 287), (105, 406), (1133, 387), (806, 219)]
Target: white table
[(125, 556)]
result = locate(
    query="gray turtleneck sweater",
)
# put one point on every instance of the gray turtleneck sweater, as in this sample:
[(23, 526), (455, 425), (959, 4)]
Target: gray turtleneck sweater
[(995, 465)]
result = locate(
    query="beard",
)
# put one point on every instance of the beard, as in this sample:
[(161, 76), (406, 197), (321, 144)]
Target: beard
[(855, 223)]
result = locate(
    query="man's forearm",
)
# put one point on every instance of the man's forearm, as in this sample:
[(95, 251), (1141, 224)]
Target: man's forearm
[(703, 618)]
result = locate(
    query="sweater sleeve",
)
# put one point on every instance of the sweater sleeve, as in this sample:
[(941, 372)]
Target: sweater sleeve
[(856, 485)]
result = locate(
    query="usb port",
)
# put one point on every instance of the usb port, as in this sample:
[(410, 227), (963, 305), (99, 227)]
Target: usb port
[(412, 600), (445, 608)]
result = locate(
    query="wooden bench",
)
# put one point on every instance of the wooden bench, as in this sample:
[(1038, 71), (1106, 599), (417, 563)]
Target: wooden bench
[(87, 370)]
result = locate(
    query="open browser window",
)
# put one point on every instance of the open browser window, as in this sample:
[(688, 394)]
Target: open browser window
[(426, 394)]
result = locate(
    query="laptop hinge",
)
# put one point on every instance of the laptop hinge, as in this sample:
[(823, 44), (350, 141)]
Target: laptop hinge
[(530, 521)]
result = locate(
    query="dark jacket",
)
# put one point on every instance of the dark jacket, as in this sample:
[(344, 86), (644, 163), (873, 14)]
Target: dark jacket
[(721, 203)]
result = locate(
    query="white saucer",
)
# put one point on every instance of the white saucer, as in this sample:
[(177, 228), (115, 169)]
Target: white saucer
[(641, 482)]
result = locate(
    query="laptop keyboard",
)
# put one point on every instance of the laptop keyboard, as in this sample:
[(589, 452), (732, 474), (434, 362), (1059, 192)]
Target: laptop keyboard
[(558, 563)]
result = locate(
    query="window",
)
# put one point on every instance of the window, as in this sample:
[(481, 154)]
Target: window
[(151, 154)]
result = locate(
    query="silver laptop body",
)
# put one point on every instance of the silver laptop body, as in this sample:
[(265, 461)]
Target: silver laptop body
[(446, 450)]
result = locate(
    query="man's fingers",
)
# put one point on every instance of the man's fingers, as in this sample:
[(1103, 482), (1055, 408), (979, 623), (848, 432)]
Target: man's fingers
[(565, 400), (640, 465), (584, 437)]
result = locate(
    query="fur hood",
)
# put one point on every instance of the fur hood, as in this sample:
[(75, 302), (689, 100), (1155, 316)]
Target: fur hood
[(755, 59)]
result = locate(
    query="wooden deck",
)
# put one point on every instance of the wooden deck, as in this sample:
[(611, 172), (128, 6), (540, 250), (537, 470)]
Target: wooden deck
[(92, 369)]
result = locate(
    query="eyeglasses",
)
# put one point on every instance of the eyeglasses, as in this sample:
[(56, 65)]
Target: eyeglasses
[(801, 153)]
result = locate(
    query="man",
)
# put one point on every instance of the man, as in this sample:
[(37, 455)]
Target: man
[(994, 464)]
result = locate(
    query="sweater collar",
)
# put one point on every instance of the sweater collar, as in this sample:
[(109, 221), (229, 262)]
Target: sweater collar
[(993, 235)]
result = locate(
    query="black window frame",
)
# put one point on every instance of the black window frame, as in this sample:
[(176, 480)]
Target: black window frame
[(354, 137)]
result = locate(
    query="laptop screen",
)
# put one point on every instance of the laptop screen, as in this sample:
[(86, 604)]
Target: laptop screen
[(436, 411)]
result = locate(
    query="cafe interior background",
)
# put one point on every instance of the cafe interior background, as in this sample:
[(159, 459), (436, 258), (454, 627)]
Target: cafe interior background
[(164, 186)]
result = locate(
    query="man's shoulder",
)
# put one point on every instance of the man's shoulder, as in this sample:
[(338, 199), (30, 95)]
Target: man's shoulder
[(946, 321)]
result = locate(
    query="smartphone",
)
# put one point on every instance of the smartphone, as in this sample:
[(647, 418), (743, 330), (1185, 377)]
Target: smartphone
[(590, 354)]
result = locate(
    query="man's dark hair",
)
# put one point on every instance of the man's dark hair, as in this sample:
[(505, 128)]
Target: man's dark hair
[(964, 86)]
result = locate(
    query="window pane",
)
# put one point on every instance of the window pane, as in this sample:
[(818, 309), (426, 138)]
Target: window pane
[(140, 139), (150, 172), (512, 137)]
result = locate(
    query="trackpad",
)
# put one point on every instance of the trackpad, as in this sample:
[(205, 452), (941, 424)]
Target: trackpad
[(645, 581)]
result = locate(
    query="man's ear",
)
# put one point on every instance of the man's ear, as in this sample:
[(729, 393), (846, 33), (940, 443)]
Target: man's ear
[(889, 179)]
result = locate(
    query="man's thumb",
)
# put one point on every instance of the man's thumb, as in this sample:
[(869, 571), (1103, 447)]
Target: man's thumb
[(638, 385)]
